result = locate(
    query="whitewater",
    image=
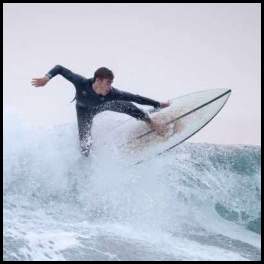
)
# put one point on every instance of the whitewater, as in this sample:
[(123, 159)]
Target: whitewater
[(198, 201)]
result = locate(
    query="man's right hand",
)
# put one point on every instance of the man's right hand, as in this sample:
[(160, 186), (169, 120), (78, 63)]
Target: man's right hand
[(37, 82)]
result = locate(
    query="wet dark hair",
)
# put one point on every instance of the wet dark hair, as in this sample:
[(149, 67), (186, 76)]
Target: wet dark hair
[(103, 73)]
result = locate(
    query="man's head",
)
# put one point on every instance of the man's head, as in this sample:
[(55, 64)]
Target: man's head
[(103, 78)]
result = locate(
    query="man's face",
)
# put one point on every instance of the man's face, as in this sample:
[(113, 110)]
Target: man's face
[(105, 85)]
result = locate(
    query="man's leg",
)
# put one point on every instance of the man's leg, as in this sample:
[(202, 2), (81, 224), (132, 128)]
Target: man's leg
[(132, 110), (85, 118), (126, 108)]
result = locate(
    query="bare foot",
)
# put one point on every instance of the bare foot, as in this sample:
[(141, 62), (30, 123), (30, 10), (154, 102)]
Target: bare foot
[(161, 128)]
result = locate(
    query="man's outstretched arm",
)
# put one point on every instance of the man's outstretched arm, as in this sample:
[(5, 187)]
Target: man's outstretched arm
[(125, 96), (58, 69)]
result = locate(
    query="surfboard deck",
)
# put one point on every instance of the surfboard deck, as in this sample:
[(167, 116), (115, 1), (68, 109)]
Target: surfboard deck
[(173, 118), (185, 116)]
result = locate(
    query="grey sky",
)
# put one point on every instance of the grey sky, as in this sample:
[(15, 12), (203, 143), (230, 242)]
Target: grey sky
[(157, 50)]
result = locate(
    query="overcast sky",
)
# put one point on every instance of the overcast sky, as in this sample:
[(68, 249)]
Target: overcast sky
[(157, 50)]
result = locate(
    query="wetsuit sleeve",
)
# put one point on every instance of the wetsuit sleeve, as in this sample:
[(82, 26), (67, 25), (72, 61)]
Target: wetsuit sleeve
[(66, 73), (125, 96)]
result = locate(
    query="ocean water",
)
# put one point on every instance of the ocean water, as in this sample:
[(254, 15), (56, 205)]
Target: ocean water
[(195, 202)]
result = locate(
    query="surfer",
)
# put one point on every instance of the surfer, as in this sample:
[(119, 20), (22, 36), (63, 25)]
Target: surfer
[(95, 95)]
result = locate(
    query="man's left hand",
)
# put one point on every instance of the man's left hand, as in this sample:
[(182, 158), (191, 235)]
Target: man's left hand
[(164, 104)]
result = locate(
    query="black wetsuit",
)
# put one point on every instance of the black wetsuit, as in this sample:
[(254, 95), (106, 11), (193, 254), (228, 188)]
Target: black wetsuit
[(89, 103)]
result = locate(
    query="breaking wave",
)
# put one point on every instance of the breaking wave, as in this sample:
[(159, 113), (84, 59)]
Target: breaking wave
[(195, 202)]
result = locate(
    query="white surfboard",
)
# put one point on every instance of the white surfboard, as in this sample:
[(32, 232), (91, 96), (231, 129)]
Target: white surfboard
[(185, 116)]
